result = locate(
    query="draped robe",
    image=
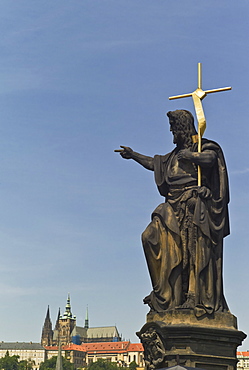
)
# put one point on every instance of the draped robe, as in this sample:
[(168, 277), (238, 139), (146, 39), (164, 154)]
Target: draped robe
[(187, 232)]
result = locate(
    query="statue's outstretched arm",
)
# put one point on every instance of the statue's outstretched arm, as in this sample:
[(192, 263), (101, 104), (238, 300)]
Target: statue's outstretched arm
[(128, 153), (203, 159)]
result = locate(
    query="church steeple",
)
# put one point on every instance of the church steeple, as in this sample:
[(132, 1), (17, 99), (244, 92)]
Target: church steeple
[(68, 314), (86, 319), (57, 321), (47, 332)]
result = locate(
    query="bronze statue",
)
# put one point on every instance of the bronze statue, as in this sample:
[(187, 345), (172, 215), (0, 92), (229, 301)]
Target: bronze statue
[(183, 244)]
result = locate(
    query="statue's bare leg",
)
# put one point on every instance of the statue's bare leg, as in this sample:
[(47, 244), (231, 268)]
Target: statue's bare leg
[(190, 296)]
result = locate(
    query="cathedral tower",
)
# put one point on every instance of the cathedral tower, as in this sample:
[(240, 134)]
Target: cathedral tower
[(66, 325)]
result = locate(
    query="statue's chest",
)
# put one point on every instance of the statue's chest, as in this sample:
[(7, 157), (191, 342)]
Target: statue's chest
[(182, 167)]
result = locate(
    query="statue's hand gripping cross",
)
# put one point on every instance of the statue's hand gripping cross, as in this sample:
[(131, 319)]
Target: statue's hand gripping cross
[(197, 97)]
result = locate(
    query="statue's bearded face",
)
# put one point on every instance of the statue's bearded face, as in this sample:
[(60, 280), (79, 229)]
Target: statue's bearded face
[(177, 135), (182, 127)]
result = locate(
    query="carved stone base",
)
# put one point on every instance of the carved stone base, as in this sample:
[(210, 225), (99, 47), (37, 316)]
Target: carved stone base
[(179, 337)]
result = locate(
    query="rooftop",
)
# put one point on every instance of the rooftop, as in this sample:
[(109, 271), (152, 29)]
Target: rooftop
[(103, 332), (71, 347), (21, 346), (243, 354), (101, 347), (106, 347)]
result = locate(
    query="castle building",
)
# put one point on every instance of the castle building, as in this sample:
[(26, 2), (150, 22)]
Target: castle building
[(66, 331)]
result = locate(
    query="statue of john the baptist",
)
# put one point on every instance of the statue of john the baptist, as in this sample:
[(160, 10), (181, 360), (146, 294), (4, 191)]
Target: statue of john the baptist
[(183, 244)]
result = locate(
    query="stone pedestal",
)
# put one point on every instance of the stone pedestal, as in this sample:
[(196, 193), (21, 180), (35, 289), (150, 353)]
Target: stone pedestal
[(179, 337)]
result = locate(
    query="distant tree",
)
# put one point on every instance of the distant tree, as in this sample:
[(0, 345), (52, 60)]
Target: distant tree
[(25, 365), (51, 363), (102, 364), (9, 362), (133, 365)]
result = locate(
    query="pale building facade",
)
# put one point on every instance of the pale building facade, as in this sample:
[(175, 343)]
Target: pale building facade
[(121, 352), (243, 360), (33, 352)]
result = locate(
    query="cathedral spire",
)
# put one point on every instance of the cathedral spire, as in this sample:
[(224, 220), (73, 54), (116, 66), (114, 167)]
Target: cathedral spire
[(57, 325), (68, 314), (86, 319), (47, 318), (47, 332)]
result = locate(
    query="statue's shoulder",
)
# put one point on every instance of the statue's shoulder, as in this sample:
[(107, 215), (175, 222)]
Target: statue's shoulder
[(163, 158), (211, 145)]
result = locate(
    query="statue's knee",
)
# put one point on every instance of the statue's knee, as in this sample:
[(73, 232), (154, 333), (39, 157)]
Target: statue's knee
[(150, 232), (147, 233)]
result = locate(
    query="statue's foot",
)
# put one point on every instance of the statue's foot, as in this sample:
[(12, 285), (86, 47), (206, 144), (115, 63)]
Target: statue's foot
[(147, 299), (190, 301)]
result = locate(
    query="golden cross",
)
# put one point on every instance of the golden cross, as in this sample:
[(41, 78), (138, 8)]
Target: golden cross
[(198, 95)]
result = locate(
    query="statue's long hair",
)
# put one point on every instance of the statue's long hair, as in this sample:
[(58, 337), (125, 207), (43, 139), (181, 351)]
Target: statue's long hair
[(184, 122)]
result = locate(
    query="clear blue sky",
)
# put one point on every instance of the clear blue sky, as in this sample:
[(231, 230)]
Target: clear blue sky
[(78, 79)]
